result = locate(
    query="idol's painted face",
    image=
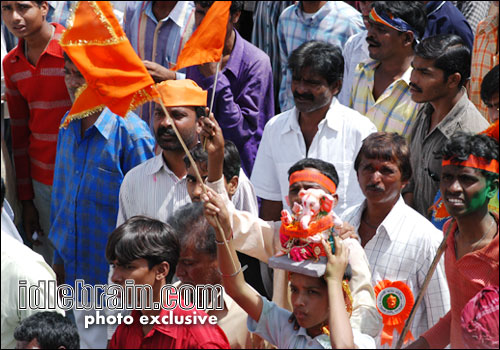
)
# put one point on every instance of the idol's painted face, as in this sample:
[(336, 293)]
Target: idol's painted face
[(465, 190)]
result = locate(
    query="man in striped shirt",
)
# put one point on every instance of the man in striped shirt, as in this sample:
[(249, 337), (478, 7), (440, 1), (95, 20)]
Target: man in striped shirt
[(37, 99), (380, 89)]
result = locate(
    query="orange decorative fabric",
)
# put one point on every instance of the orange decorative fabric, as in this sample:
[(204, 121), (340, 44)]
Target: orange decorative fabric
[(207, 42), (313, 176), (394, 303), (99, 48), (474, 162), (492, 130), (177, 93)]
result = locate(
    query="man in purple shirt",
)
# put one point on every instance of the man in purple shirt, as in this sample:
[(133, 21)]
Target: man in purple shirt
[(244, 99)]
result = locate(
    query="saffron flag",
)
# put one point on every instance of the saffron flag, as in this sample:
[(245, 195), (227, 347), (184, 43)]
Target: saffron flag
[(207, 42), (115, 75)]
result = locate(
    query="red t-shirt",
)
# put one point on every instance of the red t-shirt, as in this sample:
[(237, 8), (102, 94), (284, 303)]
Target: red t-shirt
[(170, 336)]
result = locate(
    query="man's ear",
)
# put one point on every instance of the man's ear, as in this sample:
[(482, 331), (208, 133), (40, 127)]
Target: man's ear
[(493, 188), (162, 270), (454, 80), (232, 186), (336, 87), (408, 38), (335, 200)]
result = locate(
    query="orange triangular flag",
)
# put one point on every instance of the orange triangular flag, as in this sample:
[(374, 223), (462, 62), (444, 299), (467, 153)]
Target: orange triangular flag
[(115, 75), (207, 42)]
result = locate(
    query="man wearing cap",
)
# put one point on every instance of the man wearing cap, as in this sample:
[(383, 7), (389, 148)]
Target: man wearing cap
[(157, 187), (380, 89), (93, 155)]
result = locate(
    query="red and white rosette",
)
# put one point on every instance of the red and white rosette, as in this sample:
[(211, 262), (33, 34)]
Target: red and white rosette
[(394, 302)]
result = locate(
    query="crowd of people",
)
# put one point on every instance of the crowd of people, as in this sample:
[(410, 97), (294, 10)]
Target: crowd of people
[(390, 108)]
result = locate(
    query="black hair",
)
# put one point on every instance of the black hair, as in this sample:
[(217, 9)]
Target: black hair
[(51, 330), (236, 6), (322, 58), (39, 3), (200, 111), (461, 145), (232, 161), (489, 85), (412, 12), (141, 237), (2, 198), (192, 227), (450, 54), (388, 146), (327, 169)]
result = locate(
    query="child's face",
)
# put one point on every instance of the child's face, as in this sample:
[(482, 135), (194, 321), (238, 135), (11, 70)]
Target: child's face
[(194, 187), (309, 301), (137, 270)]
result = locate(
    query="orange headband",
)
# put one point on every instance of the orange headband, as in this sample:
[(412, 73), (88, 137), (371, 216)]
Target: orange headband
[(476, 163), (313, 176)]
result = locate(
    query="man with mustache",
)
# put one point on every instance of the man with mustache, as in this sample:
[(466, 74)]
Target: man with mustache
[(400, 244), (317, 127), (380, 88), (157, 187), (441, 68)]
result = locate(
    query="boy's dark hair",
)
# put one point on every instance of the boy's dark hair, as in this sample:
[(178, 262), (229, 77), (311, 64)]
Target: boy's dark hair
[(489, 85), (236, 6), (325, 168), (450, 54), (200, 111), (39, 3), (51, 330), (461, 145), (320, 57), (141, 237), (232, 161), (388, 146), (192, 227), (412, 12)]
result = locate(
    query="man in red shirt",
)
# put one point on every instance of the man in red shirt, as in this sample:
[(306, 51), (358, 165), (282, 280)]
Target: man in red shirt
[(37, 99), (146, 251)]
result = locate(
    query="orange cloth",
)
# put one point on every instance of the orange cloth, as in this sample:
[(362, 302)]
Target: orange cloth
[(466, 277), (207, 42), (99, 48), (176, 93), (492, 130), (484, 58)]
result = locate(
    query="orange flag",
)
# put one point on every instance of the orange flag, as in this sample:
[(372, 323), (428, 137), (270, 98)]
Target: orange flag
[(115, 75), (207, 42)]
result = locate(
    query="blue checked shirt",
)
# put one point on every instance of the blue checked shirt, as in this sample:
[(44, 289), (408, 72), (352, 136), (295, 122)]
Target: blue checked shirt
[(334, 23), (87, 178)]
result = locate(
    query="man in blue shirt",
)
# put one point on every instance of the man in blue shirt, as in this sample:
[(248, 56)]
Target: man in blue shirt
[(93, 156)]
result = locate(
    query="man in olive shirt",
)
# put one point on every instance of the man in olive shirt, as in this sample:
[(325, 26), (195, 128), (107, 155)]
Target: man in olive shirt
[(441, 67)]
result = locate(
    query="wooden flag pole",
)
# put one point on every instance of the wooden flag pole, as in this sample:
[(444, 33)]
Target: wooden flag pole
[(213, 92), (198, 176), (420, 296)]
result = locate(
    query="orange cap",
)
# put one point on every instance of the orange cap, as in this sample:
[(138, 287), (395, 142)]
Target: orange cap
[(180, 93)]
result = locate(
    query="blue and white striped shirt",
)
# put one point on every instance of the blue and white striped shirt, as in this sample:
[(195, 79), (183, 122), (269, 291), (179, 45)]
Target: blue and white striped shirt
[(334, 23)]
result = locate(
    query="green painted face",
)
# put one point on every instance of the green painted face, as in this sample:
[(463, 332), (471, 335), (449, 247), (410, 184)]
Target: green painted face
[(465, 190)]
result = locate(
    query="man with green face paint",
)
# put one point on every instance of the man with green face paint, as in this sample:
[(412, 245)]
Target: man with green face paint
[(469, 179)]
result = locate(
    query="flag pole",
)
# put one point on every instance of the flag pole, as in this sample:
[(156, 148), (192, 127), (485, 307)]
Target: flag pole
[(195, 167), (213, 92), (420, 296)]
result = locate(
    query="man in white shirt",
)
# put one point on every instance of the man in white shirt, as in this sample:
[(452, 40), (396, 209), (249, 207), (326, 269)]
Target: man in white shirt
[(399, 242), (317, 127)]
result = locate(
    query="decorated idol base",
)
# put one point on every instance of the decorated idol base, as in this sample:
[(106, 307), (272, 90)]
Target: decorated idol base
[(305, 267)]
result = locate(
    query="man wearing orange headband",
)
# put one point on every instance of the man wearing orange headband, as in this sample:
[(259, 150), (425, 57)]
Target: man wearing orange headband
[(260, 239), (399, 242), (380, 88), (469, 179), (157, 187)]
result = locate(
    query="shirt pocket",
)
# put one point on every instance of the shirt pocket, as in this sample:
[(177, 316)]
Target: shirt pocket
[(106, 186)]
